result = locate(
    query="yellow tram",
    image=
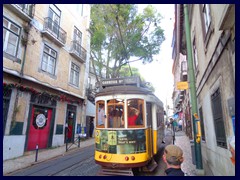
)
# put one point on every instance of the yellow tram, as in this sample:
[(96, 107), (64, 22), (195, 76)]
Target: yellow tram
[(129, 125)]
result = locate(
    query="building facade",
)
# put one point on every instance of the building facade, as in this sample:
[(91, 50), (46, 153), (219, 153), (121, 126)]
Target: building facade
[(181, 101), (212, 28), (45, 71)]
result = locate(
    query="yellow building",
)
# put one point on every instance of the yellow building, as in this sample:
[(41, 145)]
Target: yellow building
[(45, 60)]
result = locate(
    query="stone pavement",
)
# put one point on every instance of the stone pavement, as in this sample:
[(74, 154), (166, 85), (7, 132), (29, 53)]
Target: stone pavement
[(184, 143), (29, 158)]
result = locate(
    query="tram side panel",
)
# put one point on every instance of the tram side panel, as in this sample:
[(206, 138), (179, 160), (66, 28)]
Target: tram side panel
[(121, 148)]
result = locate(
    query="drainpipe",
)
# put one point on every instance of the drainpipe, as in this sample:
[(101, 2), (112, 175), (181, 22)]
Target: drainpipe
[(24, 57), (20, 81), (195, 118)]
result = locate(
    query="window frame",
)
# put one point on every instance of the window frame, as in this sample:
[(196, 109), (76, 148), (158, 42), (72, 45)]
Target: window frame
[(8, 31), (207, 31), (49, 56), (207, 17), (55, 24), (141, 112), (97, 114), (118, 120), (72, 70), (195, 56), (202, 124), (77, 35)]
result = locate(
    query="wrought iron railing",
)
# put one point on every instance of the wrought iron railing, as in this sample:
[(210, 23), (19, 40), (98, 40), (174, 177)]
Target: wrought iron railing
[(78, 50), (55, 29), (27, 8)]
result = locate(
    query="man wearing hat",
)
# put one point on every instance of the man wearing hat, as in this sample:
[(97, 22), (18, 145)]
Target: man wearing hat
[(173, 157)]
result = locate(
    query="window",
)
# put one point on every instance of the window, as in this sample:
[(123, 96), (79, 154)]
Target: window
[(49, 60), (207, 27), (160, 117), (74, 74), (11, 34), (79, 8), (207, 17), (195, 56), (54, 15), (202, 124), (27, 8), (218, 119), (115, 115), (77, 39), (100, 115), (77, 36), (135, 113)]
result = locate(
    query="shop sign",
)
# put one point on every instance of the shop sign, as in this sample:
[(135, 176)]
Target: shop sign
[(41, 120)]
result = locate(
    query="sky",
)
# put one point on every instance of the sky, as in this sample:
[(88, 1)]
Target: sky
[(159, 72)]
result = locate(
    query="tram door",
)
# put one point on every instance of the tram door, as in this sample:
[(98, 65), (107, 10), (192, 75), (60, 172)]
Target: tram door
[(149, 125)]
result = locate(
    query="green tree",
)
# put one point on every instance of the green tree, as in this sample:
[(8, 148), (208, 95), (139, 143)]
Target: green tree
[(119, 33), (125, 72)]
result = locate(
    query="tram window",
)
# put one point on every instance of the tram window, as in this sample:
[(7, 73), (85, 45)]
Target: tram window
[(100, 120), (160, 117), (135, 113), (115, 115)]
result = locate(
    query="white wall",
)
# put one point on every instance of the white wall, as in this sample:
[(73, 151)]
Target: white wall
[(13, 146), (58, 140)]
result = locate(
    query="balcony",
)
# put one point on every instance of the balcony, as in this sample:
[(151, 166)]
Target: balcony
[(179, 99), (54, 32), (24, 11), (78, 51), (184, 72)]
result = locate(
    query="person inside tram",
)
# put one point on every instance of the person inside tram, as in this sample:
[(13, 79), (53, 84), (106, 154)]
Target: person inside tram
[(111, 116), (132, 116), (117, 118), (101, 116)]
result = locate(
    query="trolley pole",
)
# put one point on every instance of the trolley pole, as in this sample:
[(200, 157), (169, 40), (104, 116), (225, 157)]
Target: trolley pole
[(195, 119)]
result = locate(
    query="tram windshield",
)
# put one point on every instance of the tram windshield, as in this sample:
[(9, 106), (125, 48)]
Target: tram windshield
[(111, 114), (115, 113)]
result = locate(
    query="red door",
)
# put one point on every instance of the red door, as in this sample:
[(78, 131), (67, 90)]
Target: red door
[(39, 128)]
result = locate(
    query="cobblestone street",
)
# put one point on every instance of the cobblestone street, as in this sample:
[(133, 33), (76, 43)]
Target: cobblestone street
[(183, 141)]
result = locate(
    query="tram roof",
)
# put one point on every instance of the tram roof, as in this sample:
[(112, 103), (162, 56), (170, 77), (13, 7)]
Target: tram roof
[(123, 90)]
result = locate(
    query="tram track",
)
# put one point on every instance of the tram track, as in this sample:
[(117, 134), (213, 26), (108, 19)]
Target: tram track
[(59, 164)]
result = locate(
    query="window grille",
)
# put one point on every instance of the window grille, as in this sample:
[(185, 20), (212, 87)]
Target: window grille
[(218, 119)]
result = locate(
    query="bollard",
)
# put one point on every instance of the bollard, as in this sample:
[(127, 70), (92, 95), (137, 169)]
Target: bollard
[(79, 140), (36, 153)]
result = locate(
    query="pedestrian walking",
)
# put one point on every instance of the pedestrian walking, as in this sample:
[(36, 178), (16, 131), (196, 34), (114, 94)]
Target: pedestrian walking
[(180, 123), (175, 125), (91, 128), (173, 157)]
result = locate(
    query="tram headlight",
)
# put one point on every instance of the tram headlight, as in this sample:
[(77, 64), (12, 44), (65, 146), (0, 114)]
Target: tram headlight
[(133, 158), (100, 156), (105, 157), (126, 158)]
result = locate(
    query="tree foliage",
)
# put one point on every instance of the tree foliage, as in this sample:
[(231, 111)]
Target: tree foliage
[(119, 33)]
